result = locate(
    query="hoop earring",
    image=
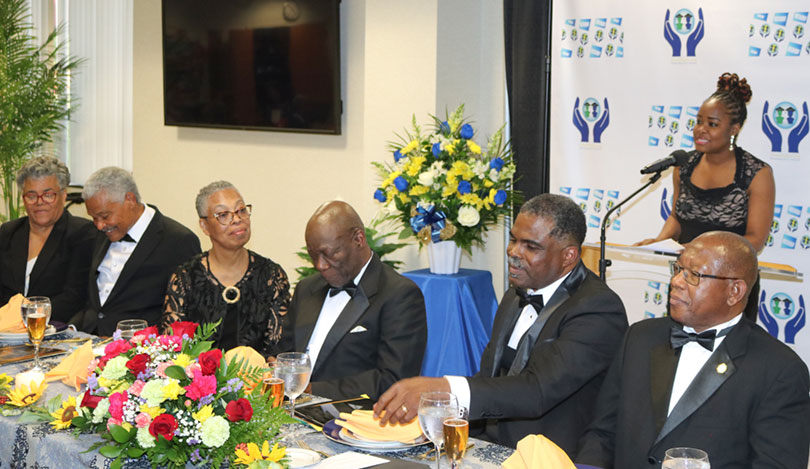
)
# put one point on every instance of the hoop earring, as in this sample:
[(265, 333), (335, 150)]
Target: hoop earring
[(731, 143)]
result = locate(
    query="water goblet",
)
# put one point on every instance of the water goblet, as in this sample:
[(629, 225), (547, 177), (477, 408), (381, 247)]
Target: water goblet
[(434, 409), (685, 458), (36, 312), (294, 368), (129, 327)]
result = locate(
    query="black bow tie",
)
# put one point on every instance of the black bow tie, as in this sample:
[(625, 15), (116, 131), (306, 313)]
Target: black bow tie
[(127, 239), (535, 300), (679, 337), (349, 288)]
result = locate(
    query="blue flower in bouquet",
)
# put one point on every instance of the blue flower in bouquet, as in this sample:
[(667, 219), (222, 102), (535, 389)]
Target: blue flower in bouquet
[(401, 184), (445, 128), (496, 164), (464, 187), (500, 198), (437, 149), (379, 194), (398, 156), (467, 131)]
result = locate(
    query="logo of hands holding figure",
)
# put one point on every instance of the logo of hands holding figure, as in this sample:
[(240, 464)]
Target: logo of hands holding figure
[(783, 307), (593, 113), (684, 24), (784, 118)]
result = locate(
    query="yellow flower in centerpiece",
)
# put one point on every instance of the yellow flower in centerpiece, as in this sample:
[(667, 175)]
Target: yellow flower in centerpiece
[(152, 411), (172, 389), (64, 415), (411, 146), (415, 165), (23, 396), (182, 360), (473, 147), (418, 190), (203, 414), (246, 454)]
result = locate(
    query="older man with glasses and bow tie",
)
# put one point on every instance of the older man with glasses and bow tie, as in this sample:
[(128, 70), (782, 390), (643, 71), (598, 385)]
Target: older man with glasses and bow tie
[(362, 324), (132, 262), (555, 334), (705, 377)]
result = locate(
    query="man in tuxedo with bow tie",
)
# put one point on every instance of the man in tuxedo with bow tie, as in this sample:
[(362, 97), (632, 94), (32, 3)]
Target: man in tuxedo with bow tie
[(705, 377), (554, 336), (362, 324), (132, 263)]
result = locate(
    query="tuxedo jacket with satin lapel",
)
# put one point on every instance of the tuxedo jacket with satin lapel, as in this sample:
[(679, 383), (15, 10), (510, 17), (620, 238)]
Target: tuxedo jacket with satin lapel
[(141, 288), (378, 338), (552, 385), (748, 407), (61, 269)]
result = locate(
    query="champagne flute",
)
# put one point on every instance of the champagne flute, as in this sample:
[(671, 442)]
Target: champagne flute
[(456, 432), (434, 409), (685, 458), (294, 368), (273, 388), (36, 312), (129, 327)]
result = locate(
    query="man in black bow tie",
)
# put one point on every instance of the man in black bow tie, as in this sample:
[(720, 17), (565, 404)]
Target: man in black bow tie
[(554, 336), (362, 324), (705, 377)]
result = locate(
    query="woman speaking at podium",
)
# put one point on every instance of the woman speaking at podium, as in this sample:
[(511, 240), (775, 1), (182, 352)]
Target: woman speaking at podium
[(721, 186)]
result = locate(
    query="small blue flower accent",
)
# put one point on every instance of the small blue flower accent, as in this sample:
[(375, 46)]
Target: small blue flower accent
[(500, 198), (401, 184), (398, 156), (379, 194), (496, 164), (467, 131), (437, 149), (464, 187), (445, 128)]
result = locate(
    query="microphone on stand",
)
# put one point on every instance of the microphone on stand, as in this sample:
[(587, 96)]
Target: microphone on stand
[(676, 158)]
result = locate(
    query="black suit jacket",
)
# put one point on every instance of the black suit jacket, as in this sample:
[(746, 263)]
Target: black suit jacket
[(552, 385), (141, 288), (61, 269), (748, 407), (353, 361)]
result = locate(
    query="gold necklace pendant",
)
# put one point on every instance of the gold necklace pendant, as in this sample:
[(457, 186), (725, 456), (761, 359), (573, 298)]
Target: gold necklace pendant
[(227, 297)]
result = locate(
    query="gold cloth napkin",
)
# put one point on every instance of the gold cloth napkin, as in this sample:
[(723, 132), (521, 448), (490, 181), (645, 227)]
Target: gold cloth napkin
[(73, 369), (363, 424), (251, 357), (11, 315), (536, 451)]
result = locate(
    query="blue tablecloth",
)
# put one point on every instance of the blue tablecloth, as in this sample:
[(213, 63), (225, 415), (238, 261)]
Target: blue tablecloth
[(460, 310)]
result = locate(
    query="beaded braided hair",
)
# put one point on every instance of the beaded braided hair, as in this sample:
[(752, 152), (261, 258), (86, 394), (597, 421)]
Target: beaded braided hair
[(734, 92)]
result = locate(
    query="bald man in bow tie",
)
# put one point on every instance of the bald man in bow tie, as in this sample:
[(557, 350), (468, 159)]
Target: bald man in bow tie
[(554, 336), (705, 377)]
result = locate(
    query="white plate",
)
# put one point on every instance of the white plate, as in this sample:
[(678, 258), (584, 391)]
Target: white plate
[(335, 433), (10, 338), (300, 457)]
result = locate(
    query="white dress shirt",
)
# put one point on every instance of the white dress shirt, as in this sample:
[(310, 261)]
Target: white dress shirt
[(118, 254), (693, 357), (330, 311), (29, 266), (459, 384)]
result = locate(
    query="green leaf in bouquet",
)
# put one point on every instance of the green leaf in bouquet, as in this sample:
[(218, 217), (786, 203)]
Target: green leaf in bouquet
[(176, 372), (135, 453), (54, 404), (117, 464), (79, 422), (32, 416), (200, 347), (120, 434), (110, 451)]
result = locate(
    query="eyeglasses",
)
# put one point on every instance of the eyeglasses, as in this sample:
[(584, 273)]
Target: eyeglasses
[(692, 277), (47, 197), (226, 217)]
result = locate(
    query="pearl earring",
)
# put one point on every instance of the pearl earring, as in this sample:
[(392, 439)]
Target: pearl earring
[(731, 143)]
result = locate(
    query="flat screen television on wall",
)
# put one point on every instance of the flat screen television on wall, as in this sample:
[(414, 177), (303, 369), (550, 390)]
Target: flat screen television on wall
[(252, 64)]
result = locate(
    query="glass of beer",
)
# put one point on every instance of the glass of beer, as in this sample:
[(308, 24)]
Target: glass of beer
[(273, 388), (456, 431), (36, 312)]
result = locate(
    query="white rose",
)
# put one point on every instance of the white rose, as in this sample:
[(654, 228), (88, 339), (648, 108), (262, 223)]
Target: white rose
[(426, 178), (468, 216)]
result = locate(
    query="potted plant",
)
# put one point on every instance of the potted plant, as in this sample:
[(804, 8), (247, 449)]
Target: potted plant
[(34, 95)]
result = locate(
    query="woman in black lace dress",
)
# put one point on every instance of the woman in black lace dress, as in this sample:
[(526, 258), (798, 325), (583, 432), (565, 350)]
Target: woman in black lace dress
[(722, 186), (247, 291)]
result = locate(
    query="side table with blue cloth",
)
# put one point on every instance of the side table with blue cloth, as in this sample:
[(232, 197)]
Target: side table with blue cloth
[(460, 311)]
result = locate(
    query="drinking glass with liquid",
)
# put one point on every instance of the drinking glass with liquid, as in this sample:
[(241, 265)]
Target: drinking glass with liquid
[(36, 312), (685, 458), (294, 368), (129, 327), (273, 388), (434, 409), (456, 433)]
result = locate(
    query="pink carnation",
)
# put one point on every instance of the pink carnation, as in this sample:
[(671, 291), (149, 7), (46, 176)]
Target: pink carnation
[(143, 420), (201, 386), (117, 400), (136, 387), (161, 369), (115, 348), (172, 342)]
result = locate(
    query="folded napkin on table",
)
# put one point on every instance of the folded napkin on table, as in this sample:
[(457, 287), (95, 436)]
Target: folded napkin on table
[(538, 451), (73, 369), (250, 356), (11, 315), (363, 424)]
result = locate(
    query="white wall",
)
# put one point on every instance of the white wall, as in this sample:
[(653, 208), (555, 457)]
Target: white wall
[(398, 59)]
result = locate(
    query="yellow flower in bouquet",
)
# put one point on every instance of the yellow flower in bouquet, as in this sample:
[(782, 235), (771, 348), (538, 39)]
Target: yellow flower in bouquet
[(249, 453), (22, 395), (444, 186)]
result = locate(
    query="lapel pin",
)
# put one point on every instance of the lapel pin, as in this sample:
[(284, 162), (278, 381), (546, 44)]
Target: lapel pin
[(721, 368)]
